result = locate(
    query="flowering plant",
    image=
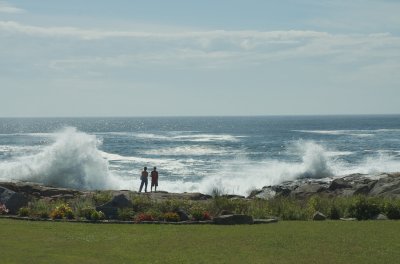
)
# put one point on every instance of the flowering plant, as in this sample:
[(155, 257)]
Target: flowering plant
[(171, 217), (62, 211), (144, 217), (3, 209)]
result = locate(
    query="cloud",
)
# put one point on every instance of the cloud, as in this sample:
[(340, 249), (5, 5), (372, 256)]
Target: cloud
[(91, 49), (7, 8), (92, 34)]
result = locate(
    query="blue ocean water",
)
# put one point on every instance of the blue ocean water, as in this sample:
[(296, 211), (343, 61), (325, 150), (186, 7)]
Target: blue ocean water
[(235, 154)]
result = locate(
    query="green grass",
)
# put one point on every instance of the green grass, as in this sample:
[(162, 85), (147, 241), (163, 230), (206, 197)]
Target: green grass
[(284, 242)]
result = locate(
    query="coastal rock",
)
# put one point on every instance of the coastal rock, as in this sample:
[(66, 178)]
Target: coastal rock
[(37, 190), (308, 189), (380, 217), (235, 219), (265, 221), (318, 216), (226, 212), (183, 216), (110, 209), (339, 184), (12, 200), (387, 186)]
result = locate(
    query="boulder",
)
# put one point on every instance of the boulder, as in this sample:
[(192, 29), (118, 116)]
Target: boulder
[(339, 184), (318, 216), (380, 217), (12, 200), (308, 189), (265, 221), (235, 219), (226, 212), (110, 209), (183, 216), (388, 186)]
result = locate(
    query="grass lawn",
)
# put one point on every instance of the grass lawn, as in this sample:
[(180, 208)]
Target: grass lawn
[(284, 242)]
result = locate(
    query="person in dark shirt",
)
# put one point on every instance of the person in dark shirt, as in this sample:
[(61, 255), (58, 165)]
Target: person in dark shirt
[(144, 179)]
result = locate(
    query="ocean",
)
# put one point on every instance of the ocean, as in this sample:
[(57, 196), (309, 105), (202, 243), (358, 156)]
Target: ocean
[(196, 154)]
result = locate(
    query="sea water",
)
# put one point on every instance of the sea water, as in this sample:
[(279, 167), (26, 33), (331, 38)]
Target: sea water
[(233, 154)]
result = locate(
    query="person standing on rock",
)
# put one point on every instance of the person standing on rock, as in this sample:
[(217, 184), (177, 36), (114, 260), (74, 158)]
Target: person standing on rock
[(144, 179), (154, 179)]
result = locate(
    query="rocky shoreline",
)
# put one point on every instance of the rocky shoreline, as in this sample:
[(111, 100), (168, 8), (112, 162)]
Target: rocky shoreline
[(15, 195), (380, 185)]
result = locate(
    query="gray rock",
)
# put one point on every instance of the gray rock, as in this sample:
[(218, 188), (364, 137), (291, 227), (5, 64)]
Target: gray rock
[(339, 184), (12, 200), (183, 216), (110, 209), (308, 189), (235, 219), (265, 221), (348, 219), (226, 212), (380, 217), (388, 186), (318, 216)]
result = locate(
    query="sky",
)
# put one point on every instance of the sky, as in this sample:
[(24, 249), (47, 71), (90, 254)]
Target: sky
[(199, 58)]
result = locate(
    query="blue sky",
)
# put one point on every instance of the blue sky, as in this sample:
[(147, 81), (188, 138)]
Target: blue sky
[(168, 58)]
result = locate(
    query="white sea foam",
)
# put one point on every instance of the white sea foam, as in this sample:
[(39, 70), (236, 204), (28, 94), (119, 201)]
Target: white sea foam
[(355, 133), (189, 137), (190, 150), (72, 161), (241, 175)]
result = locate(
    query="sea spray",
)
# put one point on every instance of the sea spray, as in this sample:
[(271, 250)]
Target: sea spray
[(72, 161), (241, 175)]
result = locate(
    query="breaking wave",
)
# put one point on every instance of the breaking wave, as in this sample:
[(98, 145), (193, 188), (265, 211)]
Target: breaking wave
[(74, 160)]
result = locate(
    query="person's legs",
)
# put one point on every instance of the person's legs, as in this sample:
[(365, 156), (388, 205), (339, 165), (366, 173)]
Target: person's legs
[(141, 186), (145, 185)]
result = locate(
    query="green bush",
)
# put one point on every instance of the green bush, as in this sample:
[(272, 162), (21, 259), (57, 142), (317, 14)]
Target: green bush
[(171, 217), (40, 208), (259, 208), (126, 214), (23, 211), (364, 208), (172, 205), (80, 204), (62, 211), (141, 203), (97, 215), (392, 209), (102, 197)]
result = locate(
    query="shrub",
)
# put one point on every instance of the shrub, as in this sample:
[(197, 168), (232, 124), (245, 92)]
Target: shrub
[(144, 217), (86, 212), (97, 215), (3, 209), (171, 217), (101, 197), (392, 209), (364, 208), (125, 214), (80, 204), (259, 208), (40, 208), (23, 211), (173, 205), (141, 203), (334, 213), (62, 211), (199, 213)]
